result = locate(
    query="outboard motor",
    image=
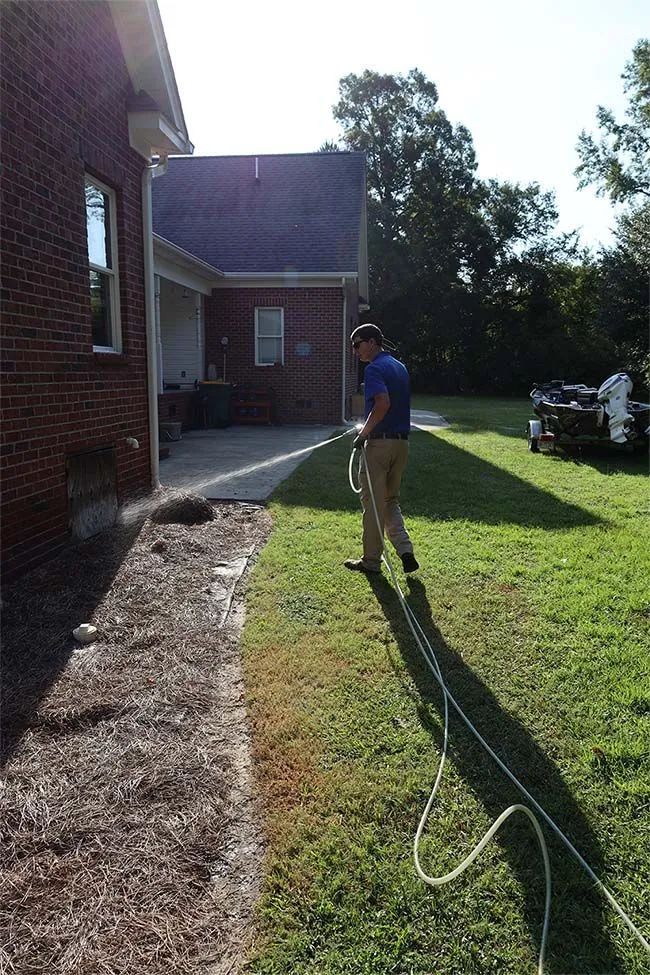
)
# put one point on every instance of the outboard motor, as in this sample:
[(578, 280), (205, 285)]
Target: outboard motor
[(614, 394)]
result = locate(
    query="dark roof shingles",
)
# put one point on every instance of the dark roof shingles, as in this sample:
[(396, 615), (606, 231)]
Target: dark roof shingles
[(304, 213)]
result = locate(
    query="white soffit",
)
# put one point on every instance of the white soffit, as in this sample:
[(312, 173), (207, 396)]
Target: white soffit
[(142, 39), (151, 134)]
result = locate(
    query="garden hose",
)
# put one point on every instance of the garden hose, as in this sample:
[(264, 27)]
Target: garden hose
[(430, 658)]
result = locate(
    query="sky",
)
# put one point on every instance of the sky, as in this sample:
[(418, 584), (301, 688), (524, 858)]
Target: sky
[(524, 77)]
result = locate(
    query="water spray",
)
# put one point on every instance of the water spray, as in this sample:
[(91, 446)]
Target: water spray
[(143, 507), (428, 653)]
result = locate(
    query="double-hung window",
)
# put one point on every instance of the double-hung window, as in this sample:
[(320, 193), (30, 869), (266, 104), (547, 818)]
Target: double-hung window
[(269, 336), (101, 226)]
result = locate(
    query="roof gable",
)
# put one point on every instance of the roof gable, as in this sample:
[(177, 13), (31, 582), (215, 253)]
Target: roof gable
[(303, 212), (142, 39)]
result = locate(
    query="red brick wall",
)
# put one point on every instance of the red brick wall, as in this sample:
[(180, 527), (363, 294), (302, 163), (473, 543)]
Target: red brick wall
[(311, 315), (177, 407), (63, 102)]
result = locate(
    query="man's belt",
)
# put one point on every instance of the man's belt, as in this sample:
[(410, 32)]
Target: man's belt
[(388, 436)]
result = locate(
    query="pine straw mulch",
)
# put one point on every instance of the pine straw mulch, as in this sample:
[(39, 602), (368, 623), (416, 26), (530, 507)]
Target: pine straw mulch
[(130, 841)]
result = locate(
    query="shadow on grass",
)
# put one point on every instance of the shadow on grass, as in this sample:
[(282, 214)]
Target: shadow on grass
[(605, 458), (40, 610), (578, 940), (442, 482), (510, 419)]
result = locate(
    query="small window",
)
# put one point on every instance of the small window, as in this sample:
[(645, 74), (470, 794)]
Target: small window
[(269, 336), (101, 227)]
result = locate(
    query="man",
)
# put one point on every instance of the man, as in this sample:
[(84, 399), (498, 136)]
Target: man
[(384, 436)]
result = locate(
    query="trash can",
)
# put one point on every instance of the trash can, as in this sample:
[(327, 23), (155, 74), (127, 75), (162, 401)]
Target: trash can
[(215, 403)]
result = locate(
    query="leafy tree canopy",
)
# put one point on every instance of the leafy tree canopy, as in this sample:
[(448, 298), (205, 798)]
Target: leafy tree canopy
[(618, 163), (470, 276), (329, 146)]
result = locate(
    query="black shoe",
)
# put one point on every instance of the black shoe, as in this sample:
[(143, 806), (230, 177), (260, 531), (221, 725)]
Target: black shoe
[(409, 562), (358, 565)]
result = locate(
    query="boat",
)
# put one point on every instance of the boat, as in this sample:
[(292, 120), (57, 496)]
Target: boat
[(576, 414)]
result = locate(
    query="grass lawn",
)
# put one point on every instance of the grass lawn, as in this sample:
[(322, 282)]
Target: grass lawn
[(535, 592)]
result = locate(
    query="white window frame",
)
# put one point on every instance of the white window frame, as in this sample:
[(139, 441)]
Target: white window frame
[(258, 336), (112, 273)]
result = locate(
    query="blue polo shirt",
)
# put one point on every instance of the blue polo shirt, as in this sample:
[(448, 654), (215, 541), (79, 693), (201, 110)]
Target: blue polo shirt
[(388, 375)]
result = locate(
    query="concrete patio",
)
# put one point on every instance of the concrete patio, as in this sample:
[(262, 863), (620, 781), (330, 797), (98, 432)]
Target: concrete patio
[(246, 463), (243, 463)]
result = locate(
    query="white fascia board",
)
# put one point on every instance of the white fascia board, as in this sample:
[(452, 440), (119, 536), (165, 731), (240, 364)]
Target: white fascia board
[(335, 275), (173, 251), (181, 267), (168, 74), (302, 279), (181, 275)]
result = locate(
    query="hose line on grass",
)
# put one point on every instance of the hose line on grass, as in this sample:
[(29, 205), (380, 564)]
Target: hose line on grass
[(430, 658)]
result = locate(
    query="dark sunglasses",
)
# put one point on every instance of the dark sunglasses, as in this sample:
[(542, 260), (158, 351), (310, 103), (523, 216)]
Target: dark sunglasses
[(355, 345)]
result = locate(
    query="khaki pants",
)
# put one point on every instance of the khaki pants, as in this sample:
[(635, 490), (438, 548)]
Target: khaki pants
[(385, 461)]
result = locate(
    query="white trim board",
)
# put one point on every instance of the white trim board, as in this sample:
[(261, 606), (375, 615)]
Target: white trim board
[(181, 267), (281, 281)]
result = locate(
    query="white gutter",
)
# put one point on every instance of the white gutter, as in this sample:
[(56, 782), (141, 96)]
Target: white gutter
[(150, 319), (345, 341), (236, 275)]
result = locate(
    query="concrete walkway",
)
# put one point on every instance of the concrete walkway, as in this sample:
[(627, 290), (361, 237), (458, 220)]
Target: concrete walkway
[(243, 463), (423, 420)]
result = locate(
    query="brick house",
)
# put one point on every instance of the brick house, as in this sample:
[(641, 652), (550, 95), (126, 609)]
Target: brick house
[(261, 267), (88, 100)]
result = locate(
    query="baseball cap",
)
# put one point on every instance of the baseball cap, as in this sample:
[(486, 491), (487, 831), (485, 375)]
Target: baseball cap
[(364, 332)]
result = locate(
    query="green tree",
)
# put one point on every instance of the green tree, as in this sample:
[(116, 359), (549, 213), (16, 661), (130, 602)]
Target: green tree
[(633, 234), (525, 334), (618, 163), (469, 277), (421, 205), (623, 313), (410, 145)]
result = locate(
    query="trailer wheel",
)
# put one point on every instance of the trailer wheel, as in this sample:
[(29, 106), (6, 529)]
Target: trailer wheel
[(533, 431)]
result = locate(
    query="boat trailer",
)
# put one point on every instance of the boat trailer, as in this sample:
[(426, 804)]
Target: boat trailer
[(574, 415)]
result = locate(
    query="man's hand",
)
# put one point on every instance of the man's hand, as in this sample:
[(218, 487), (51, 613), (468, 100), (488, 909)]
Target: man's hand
[(358, 442)]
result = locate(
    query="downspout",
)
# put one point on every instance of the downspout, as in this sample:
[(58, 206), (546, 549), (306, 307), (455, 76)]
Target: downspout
[(159, 352), (150, 315), (344, 347)]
